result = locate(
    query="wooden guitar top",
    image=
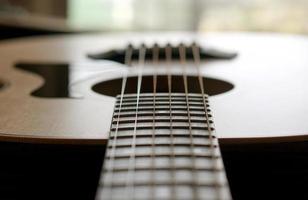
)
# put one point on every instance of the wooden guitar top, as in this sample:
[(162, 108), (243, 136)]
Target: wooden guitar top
[(268, 101)]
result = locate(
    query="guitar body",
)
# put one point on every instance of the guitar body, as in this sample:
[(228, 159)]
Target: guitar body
[(258, 99)]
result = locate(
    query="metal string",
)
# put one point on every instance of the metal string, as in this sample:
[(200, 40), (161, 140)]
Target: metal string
[(196, 57), (182, 52), (131, 171), (155, 62), (128, 61), (168, 52)]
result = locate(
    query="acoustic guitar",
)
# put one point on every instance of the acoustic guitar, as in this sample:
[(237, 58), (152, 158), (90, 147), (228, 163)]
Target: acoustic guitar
[(162, 104)]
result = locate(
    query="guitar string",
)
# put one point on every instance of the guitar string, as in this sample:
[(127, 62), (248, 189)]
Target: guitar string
[(168, 53), (128, 60), (182, 53), (128, 57), (155, 59), (196, 57), (131, 171)]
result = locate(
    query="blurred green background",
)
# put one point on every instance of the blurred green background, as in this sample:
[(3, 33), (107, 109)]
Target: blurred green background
[(203, 15)]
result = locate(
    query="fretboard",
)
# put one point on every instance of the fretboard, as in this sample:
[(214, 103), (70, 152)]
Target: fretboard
[(162, 147)]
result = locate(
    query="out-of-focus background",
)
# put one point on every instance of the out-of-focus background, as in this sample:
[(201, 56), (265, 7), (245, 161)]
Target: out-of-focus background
[(146, 15)]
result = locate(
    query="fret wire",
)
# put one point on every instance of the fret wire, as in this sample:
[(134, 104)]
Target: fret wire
[(130, 175), (161, 120), (128, 60), (190, 183), (145, 155), (196, 57), (182, 52), (162, 135), (174, 103), (155, 62), (146, 169), (168, 52)]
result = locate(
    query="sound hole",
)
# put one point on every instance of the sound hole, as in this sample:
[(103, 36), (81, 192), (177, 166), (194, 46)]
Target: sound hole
[(56, 79), (211, 86)]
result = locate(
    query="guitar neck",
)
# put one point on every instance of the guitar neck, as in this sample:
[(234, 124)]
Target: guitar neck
[(162, 147)]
